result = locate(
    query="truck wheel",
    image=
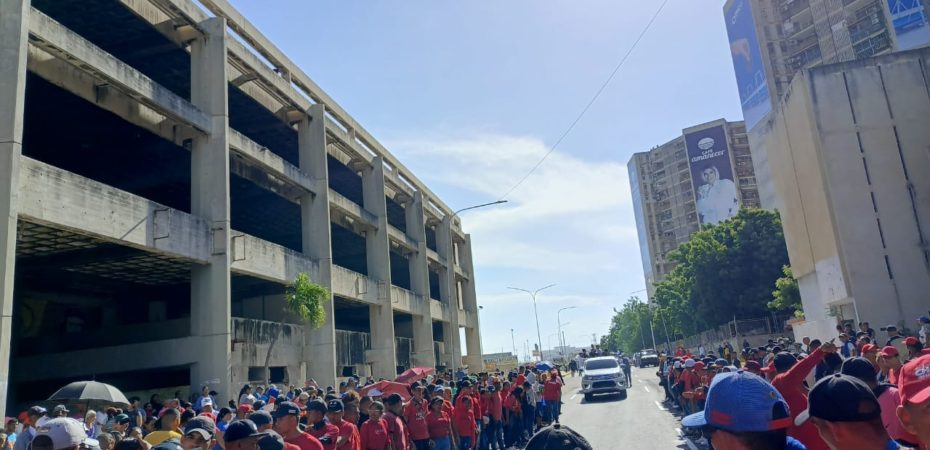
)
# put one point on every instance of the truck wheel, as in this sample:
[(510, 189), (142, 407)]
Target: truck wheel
[(623, 394), (588, 397)]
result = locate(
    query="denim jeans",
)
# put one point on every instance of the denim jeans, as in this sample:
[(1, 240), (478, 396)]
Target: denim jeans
[(529, 419), (465, 443), (443, 443)]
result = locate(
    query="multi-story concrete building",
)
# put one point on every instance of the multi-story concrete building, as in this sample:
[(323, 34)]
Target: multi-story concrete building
[(669, 194), (165, 172), (847, 148), (771, 40)]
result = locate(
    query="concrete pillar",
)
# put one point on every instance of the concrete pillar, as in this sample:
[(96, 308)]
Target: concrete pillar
[(378, 246), (423, 354), (470, 300), (210, 284), (453, 348), (14, 34), (317, 243)]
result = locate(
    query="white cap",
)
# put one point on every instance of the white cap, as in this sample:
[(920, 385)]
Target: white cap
[(65, 433), (206, 401), (678, 364), (689, 363), (375, 393)]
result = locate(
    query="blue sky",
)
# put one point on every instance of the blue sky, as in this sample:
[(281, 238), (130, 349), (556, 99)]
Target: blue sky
[(470, 94)]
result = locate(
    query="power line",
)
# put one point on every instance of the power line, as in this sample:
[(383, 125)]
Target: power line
[(593, 99)]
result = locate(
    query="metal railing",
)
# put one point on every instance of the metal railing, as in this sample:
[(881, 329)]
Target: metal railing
[(737, 330)]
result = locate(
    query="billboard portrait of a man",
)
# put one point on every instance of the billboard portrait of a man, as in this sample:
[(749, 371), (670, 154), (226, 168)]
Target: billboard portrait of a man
[(717, 198)]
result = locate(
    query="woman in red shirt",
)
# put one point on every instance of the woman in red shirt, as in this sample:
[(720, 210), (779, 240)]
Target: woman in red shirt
[(440, 426), (374, 431), (463, 417)]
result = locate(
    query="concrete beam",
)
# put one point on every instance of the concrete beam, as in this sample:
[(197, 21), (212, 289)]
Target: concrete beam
[(271, 162), (211, 290), (449, 293), (56, 197), (354, 286), (354, 210), (14, 21), (470, 300), (62, 42), (377, 249), (423, 354), (121, 358), (406, 301), (401, 238), (317, 239), (259, 258)]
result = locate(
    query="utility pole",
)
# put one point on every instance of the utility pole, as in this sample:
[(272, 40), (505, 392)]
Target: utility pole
[(514, 342), (536, 312)]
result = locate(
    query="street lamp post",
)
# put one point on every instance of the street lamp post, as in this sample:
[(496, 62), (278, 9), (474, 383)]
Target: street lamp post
[(535, 312), (558, 317), (513, 341)]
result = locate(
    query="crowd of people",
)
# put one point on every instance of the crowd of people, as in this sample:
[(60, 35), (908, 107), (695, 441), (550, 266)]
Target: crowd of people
[(855, 391), (443, 412)]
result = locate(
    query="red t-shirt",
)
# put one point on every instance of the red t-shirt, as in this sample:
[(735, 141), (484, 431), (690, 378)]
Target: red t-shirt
[(348, 431), (790, 386), (552, 390), (447, 407), (396, 430), (520, 379), (325, 430), (438, 424), (478, 405), (375, 435), (496, 407), (305, 441), (513, 405), (464, 421), (415, 413)]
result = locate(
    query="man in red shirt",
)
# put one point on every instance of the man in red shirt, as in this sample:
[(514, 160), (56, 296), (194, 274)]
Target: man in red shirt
[(395, 426), (349, 438), (914, 387), (552, 394), (415, 416), (789, 379), (318, 427), (286, 419), (464, 421)]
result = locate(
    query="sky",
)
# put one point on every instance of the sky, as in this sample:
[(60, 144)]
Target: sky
[(469, 95)]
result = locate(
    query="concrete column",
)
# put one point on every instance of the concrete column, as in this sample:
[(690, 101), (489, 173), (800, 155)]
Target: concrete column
[(423, 354), (210, 284), (14, 34), (470, 300), (378, 246), (317, 243), (453, 348)]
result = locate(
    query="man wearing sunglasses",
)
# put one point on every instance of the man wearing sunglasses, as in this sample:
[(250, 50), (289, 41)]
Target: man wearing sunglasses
[(744, 412)]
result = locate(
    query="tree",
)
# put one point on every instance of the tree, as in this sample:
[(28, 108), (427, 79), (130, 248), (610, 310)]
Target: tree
[(724, 270), (787, 295), (303, 300)]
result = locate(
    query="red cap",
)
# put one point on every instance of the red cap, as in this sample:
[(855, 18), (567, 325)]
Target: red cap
[(914, 382), (699, 365), (245, 408), (910, 341), (752, 366), (869, 347), (889, 351)]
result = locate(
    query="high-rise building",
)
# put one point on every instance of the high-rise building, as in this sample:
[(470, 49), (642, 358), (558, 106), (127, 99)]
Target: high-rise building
[(847, 148), (771, 40), (700, 177)]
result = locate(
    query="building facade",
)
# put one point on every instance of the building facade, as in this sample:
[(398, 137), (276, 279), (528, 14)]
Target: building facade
[(847, 151), (771, 40), (672, 198), (166, 172)]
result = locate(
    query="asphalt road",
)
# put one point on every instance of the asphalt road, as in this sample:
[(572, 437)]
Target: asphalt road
[(640, 422)]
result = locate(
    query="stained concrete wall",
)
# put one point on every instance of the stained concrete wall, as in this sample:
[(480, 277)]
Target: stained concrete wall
[(847, 149)]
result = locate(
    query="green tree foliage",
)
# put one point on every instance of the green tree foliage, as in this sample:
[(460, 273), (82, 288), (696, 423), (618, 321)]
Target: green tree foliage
[(630, 328), (723, 271), (303, 300), (787, 296)]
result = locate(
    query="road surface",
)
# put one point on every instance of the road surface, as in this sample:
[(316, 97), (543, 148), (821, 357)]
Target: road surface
[(641, 421)]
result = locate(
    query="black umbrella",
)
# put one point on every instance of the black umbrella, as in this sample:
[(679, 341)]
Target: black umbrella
[(90, 392)]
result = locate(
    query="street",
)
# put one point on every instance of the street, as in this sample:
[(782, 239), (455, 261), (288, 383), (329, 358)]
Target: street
[(638, 422)]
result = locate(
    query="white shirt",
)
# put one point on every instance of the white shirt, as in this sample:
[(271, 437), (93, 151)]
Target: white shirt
[(718, 201), (531, 377)]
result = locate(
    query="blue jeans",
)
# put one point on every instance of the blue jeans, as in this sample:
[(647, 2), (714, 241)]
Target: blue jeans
[(443, 443), (529, 419), (465, 443)]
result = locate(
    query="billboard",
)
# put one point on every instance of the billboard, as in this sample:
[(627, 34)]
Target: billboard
[(910, 23), (747, 62), (715, 193)]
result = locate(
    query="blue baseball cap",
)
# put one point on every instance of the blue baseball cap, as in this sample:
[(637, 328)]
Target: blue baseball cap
[(741, 402)]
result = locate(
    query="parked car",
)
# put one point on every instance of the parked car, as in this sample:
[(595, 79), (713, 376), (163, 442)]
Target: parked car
[(603, 375)]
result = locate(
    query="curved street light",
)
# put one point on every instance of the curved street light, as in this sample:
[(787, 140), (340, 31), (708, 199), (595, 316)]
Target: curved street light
[(559, 319), (535, 311)]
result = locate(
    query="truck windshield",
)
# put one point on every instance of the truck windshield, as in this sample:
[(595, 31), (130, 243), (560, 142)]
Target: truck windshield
[(600, 364)]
